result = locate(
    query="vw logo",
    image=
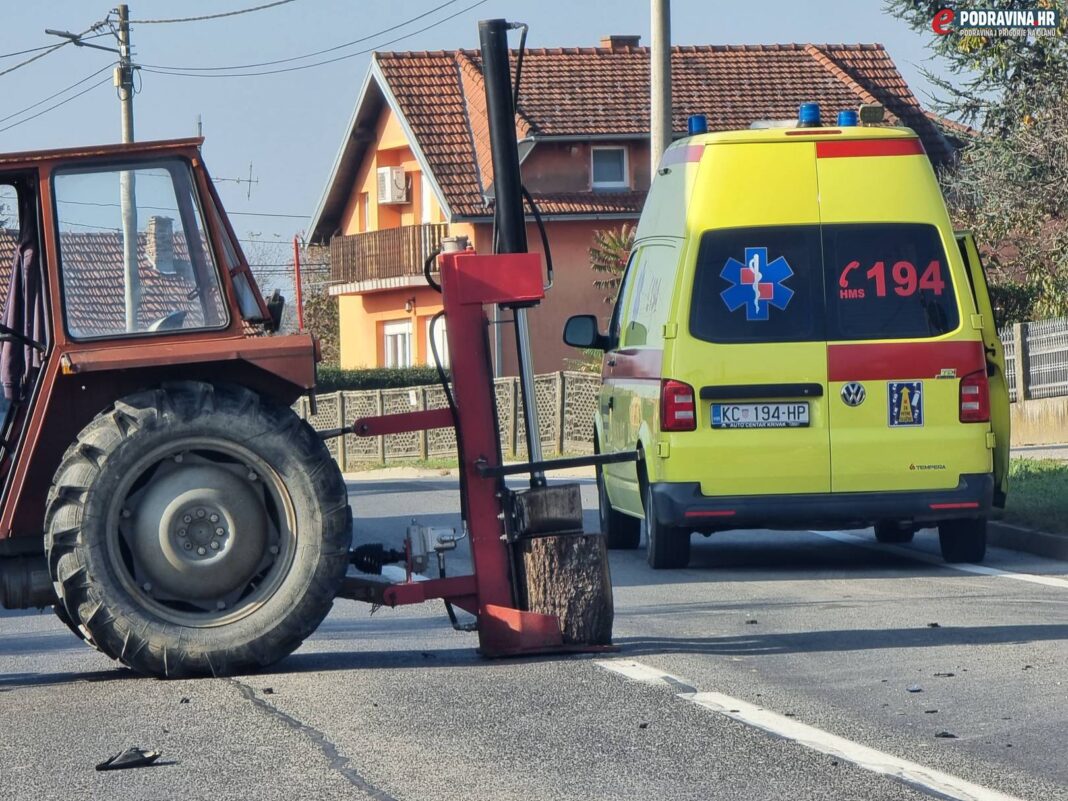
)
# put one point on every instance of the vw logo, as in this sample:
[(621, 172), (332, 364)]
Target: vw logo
[(853, 394)]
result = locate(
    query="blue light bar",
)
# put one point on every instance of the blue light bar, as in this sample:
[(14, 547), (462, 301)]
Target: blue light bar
[(697, 124), (808, 115), (848, 118)]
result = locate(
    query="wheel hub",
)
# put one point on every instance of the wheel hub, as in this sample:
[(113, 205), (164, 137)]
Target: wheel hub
[(199, 532)]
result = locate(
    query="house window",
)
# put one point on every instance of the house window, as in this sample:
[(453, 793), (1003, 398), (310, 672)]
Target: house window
[(365, 211), (440, 340), (424, 199), (397, 343), (609, 168)]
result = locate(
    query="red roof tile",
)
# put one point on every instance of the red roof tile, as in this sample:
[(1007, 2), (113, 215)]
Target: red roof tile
[(600, 91)]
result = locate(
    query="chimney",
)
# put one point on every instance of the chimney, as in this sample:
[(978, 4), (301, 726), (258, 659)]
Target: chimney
[(159, 244), (620, 42)]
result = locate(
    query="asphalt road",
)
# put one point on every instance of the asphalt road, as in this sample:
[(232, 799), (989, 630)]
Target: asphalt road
[(779, 666)]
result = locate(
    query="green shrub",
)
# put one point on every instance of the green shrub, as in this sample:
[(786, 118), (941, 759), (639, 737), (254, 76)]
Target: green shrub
[(333, 379)]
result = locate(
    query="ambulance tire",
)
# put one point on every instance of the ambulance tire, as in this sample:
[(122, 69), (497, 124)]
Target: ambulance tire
[(668, 547), (621, 532), (963, 540), (889, 532)]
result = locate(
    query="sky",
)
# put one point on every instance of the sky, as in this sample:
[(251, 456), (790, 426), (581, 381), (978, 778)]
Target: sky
[(289, 125)]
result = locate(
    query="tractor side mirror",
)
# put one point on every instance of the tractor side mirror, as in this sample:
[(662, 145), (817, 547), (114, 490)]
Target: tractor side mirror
[(580, 331), (276, 306)]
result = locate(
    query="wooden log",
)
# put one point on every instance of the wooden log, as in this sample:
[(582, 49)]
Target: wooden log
[(567, 575)]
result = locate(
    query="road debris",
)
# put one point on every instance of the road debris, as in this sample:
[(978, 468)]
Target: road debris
[(270, 690), (643, 725), (750, 622), (933, 626), (184, 701), (915, 688), (945, 675), (930, 711), (946, 735), (130, 758)]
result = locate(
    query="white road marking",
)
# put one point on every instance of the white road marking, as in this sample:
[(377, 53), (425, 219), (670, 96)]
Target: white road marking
[(918, 776), (910, 553)]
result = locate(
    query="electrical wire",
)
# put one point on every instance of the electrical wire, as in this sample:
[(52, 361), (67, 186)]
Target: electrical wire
[(306, 55), (52, 48), (57, 105), (209, 16), (47, 47), (57, 94), (317, 63)]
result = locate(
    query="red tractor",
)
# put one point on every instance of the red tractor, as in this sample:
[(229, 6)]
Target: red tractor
[(192, 522)]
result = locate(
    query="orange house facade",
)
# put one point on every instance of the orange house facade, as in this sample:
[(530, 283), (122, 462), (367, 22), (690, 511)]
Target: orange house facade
[(415, 167)]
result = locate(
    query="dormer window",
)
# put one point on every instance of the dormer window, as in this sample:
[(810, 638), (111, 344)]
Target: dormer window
[(609, 168)]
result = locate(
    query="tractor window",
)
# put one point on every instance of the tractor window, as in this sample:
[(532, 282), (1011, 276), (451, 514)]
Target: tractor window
[(133, 252)]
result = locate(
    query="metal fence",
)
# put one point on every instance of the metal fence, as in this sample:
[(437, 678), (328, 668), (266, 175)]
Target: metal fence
[(566, 404), (1036, 358)]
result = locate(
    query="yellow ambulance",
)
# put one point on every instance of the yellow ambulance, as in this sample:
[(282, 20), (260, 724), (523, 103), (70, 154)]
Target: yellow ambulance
[(800, 340)]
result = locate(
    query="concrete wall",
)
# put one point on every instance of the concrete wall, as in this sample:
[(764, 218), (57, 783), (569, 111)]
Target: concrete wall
[(1040, 422)]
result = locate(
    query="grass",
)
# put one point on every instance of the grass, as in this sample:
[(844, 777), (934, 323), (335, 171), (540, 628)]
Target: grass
[(443, 463), (1038, 494)]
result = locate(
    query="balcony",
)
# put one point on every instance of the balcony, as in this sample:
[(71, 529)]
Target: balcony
[(381, 259)]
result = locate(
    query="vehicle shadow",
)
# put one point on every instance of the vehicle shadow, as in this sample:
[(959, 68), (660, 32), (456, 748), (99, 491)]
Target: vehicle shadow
[(801, 642)]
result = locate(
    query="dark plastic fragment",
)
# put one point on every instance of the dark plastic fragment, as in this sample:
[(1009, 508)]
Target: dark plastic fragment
[(130, 758)]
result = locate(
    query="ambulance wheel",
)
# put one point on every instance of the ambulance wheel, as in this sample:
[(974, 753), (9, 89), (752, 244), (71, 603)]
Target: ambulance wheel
[(621, 532), (197, 530), (963, 540), (668, 547), (889, 532)]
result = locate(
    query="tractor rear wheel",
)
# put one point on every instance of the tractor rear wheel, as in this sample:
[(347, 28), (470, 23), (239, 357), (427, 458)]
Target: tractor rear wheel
[(197, 530)]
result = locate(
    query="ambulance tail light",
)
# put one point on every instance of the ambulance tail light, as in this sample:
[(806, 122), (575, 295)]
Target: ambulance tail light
[(678, 407), (975, 398)]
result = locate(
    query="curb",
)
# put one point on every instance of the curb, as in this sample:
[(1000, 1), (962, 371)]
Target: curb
[(1018, 538)]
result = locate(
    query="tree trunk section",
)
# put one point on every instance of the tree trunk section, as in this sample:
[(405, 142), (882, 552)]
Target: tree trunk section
[(567, 576)]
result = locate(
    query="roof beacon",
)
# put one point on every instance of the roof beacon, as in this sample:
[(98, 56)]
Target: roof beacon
[(808, 116), (696, 124), (848, 118)]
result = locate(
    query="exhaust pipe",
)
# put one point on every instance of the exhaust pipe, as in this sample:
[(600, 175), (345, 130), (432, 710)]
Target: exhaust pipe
[(25, 583)]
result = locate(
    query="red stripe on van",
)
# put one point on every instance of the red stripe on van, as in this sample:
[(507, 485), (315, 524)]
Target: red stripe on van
[(888, 361), (868, 147), (681, 155), (634, 363)]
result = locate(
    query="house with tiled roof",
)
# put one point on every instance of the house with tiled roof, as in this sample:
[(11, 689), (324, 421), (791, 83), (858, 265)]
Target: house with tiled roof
[(414, 164)]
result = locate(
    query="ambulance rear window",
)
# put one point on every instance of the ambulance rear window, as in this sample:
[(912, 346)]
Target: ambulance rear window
[(761, 284), (887, 281)]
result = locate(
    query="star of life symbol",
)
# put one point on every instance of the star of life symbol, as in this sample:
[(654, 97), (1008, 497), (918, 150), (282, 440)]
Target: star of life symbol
[(756, 284)]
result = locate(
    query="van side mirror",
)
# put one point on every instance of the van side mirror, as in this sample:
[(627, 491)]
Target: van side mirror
[(580, 331)]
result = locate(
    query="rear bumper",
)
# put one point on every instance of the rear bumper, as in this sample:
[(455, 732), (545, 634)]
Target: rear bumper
[(682, 504)]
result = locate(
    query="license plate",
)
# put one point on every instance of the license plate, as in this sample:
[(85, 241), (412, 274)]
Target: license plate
[(759, 415)]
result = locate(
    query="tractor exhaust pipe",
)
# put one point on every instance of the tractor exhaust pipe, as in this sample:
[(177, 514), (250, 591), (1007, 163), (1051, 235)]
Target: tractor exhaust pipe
[(25, 583)]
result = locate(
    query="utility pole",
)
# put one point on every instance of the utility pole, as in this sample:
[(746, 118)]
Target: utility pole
[(127, 178), (659, 82)]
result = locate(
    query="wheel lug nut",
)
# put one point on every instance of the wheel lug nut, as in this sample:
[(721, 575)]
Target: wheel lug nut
[(182, 532), (220, 605), (273, 549), (251, 475), (200, 512), (214, 545), (219, 532), (202, 550), (187, 518), (178, 458), (147, 586), (126, 513), (214, 518), (187, 545)]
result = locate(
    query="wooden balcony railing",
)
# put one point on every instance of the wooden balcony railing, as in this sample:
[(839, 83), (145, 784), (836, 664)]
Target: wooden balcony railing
[(389, 253)]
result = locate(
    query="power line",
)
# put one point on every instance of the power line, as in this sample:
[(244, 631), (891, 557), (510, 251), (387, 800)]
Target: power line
[(57, 94), (57, 105), (317, 63), (267, 214), (306, 55), (209, 16), (47, 47), (52, 49)]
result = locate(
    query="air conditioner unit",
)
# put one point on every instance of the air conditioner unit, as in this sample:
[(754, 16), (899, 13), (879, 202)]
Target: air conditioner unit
[(392, 185)]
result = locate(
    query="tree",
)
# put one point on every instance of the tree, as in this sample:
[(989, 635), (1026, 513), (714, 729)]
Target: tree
[(608, 256), (1010, 183)]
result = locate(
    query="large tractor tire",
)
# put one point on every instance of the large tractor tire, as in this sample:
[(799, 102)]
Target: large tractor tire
[(197, 530)]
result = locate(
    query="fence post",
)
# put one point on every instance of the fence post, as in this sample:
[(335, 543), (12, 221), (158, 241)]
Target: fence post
[(424, 445), (1022, 364), (341, 455), (379, 406), (561, 386)]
